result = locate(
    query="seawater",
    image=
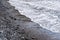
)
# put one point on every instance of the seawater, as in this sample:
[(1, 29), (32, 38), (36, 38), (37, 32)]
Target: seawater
[(44, 12)]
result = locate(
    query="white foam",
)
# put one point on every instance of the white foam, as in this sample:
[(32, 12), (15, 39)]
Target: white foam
[(37, 11)]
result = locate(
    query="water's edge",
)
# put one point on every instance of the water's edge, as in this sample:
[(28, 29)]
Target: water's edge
[(46, 12), (14, 26)]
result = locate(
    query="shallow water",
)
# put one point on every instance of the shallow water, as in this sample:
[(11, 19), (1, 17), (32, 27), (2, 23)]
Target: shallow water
[(44, 12)]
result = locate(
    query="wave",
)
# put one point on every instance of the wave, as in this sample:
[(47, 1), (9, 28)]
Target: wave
[(44, 12)]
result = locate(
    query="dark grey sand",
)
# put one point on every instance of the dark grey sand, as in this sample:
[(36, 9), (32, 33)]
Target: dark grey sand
[(14, 26)]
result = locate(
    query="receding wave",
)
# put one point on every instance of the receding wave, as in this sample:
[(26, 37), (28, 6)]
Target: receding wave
[(44, 12)]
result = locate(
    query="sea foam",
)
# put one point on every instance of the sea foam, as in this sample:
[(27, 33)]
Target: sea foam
[(44, 12)]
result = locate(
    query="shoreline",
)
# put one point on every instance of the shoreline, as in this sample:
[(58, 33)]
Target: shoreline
[(14, 26)]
